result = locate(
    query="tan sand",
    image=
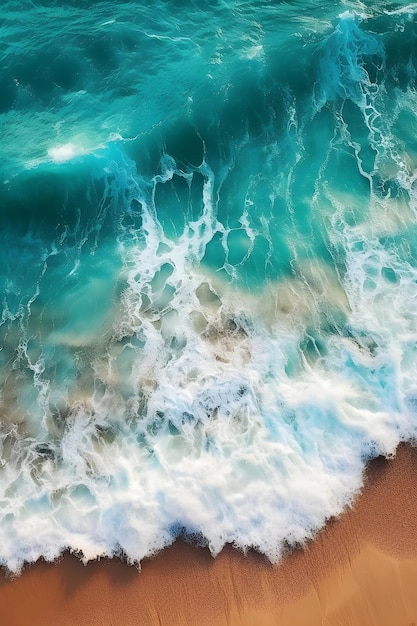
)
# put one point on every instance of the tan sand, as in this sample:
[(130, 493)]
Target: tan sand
[(361, 570)]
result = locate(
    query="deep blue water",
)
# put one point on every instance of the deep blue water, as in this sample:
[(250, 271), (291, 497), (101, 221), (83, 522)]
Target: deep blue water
[(208, 268)]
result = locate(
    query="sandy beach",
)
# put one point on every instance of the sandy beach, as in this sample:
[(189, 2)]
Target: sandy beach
[(360, 570)]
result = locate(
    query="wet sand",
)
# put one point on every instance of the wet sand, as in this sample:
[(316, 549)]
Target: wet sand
[(360, 570)]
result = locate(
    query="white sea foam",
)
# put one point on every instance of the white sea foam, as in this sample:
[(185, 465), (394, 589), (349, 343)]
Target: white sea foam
[(204, 429)]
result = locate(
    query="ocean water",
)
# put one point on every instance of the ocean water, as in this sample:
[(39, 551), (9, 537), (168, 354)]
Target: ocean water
[(208, 269)]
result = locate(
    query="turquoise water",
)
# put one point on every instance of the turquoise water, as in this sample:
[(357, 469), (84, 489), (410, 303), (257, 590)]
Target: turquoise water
[(208, 269)]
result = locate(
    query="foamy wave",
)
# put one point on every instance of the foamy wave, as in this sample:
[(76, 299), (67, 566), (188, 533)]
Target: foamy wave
[(212, 339)]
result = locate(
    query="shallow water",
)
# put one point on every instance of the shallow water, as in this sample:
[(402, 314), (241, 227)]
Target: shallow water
[(208, 269)]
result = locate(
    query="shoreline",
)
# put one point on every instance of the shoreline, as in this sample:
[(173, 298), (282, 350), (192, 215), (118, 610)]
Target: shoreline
[(360, 569)]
